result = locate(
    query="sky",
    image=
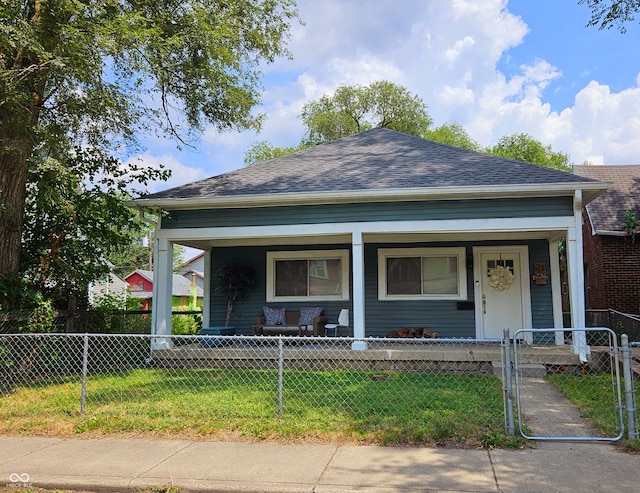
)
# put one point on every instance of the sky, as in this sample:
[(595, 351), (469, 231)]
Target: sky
[(496, 67)]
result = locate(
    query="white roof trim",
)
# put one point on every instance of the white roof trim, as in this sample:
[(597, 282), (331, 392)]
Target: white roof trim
[(604, 232), (381, 195)]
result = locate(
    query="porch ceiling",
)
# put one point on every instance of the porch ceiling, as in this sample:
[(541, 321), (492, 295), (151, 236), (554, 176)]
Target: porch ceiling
[(335, 239)]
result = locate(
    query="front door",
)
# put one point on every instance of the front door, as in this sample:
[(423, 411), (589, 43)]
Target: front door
[(502, 295)]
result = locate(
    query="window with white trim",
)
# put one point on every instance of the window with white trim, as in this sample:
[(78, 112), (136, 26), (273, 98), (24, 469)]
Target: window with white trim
[(308, 275), (422, 273)]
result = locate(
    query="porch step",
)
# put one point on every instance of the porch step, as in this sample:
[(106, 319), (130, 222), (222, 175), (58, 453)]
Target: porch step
[(526, 370)]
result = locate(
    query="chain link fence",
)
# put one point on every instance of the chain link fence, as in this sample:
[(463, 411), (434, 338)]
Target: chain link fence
[(395, 391), (569, 398), (620, 323), (632, 374)]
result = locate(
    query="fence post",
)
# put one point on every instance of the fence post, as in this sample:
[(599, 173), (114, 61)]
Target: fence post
[(507, 382), (280, 370), (629, 391), (85, 364)]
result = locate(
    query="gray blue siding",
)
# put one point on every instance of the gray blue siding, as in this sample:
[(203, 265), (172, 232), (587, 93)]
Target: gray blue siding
[(367, 212), (447, 317)]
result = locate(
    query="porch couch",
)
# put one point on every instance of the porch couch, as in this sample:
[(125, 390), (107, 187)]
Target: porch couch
[(291, 325)]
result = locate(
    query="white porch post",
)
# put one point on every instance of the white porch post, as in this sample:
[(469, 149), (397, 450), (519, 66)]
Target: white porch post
[(575, 262), (357, 249), (206, 296), (162, 290), (556, 290)]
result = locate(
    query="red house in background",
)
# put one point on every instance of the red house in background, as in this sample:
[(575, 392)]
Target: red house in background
[(140, 284), (611, 251)]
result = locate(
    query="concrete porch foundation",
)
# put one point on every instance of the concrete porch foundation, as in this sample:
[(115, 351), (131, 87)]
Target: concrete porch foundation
[(336, 354)]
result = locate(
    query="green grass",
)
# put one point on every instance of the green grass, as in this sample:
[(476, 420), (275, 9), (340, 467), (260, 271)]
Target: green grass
[(595, 395), (348, 406)]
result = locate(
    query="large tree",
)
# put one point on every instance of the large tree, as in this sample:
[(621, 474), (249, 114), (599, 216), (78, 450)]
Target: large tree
[(351, 110), (607, 13), (94, 73), (453, 134), (354, 109), (263, 151), (74, 217), (524, 147)]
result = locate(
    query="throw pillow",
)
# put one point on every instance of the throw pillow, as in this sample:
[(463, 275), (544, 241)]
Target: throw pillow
[(308, 313), (274, 316)]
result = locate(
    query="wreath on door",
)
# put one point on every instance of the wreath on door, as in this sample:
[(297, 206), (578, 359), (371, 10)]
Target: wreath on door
[(501, 278)]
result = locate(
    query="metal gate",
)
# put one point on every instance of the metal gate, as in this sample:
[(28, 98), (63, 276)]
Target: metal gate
[(568, 384)]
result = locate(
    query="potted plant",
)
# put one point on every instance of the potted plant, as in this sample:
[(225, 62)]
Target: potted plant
[(235, 280)]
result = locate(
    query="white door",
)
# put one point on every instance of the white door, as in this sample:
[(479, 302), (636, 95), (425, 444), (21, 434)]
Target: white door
[(502, 293)]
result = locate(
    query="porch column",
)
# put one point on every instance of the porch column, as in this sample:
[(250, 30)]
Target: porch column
[(162, 290), (357, 250), (206, 296), (575, 267), (556, 290)]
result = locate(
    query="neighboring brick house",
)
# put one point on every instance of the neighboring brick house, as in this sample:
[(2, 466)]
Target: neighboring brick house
[(611, 254)]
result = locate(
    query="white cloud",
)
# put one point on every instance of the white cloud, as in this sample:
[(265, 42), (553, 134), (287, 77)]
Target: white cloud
[(450, 54), (180, 174)]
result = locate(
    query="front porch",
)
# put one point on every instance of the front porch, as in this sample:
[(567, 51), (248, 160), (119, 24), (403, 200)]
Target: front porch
[(383, 355)]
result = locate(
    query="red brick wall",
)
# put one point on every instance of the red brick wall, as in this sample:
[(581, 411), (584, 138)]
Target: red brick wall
[(612, 271)]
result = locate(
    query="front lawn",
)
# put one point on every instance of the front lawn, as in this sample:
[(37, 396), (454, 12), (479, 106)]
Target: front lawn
[(389, 408)]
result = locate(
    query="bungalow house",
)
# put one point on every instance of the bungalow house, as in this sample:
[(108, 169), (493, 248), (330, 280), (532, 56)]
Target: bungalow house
[(402, 231), (194, 265), (140, 285), (109, 285), (611, 251)]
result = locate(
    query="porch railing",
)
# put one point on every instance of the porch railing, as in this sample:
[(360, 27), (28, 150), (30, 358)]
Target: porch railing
[(612, 319)]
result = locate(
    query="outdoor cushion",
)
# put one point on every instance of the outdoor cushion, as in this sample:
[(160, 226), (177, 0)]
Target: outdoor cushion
[(308, 313), (274, 316)]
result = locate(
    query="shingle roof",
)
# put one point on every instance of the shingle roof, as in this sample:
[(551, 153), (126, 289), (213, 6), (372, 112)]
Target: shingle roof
[(378, 159), (607, 211)]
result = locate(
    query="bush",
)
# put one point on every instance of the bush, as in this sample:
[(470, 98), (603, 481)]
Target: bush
[(187, 324)]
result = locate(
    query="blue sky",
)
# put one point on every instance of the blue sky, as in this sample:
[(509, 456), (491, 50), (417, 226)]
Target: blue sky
[(493, 66)]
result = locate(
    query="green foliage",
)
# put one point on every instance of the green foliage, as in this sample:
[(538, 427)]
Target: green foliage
[(607, 13), (354, 109), (108, 315), (454, 135), (15, 291), (41, 318), (523, 147), (186, 325), (97, 74), (75, 215), (631, 224), (350, 110), (263, 151)]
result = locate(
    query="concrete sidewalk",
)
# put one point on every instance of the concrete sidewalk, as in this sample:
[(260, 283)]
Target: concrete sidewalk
[(121, 465)]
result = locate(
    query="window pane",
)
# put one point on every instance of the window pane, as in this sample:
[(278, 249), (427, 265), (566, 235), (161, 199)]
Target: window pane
[(325, 277), (291, 278), (403, 275), (440, 275)]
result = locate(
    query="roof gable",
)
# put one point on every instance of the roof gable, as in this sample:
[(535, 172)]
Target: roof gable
[(378, 159), (606, 212)]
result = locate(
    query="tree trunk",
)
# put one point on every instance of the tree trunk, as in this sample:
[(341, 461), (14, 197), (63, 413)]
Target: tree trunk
[(16, 146), (13, 179), (18, 117)]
